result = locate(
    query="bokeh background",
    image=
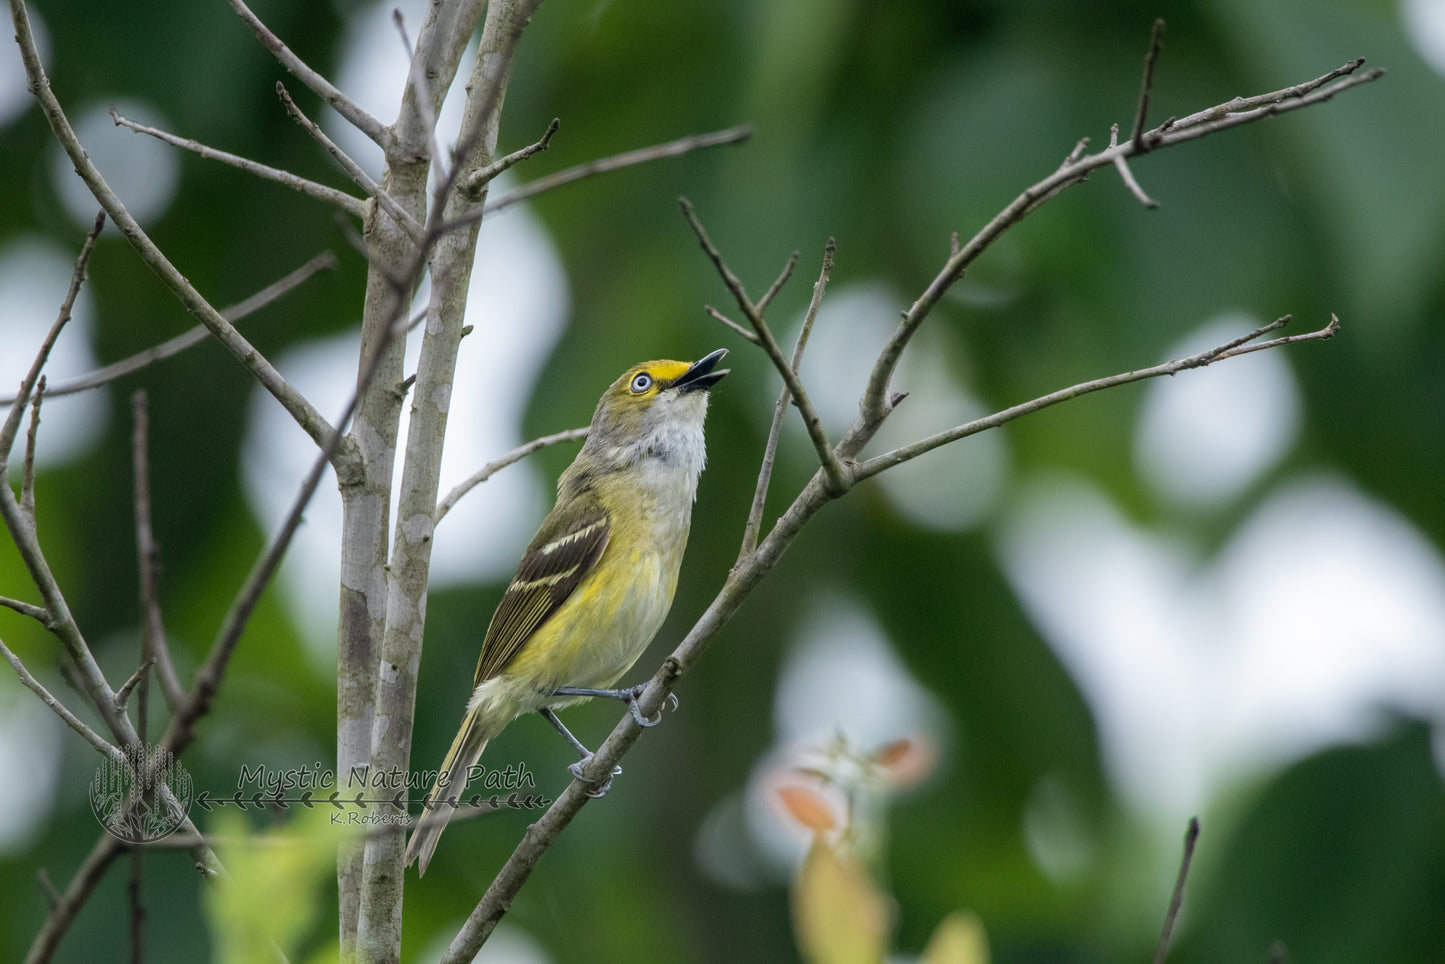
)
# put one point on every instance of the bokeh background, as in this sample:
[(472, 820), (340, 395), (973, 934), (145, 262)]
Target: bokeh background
[(1222, 595)]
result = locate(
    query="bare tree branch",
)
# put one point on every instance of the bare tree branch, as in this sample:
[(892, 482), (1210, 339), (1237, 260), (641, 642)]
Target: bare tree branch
[(642, 155), (770, 449), (27, 469), (871, 467), (475, 181), (1126, 174), (189, 339), (875, 406), (27, 609), (832, 468), (496, 465), (425, 106), (293, 401), (102, 746), (328, 195), (777, 285), (154, 647), (343, 105), (727, 322), (1146, 85), (62, 914), (27, 384), (353, 170), (122, 695)]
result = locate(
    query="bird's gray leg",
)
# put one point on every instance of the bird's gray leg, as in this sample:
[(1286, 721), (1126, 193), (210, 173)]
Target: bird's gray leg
[(628, 696), (586, 754)]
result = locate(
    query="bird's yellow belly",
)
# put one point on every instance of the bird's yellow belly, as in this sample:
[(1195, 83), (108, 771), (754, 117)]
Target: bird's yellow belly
[(599, 633)]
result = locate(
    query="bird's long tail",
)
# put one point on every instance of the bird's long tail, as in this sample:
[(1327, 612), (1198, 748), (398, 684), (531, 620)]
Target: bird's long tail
[(451, 782)]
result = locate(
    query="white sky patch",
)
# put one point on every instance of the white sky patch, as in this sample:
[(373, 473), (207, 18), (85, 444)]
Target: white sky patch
[(518, 303), (35, 274), (1424, 23), (1202, 440), (951, 488), (1323, 613), (15, 98), (143, 172)]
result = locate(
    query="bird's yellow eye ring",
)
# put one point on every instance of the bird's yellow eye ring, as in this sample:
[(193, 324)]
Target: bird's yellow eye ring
[(641, 382)]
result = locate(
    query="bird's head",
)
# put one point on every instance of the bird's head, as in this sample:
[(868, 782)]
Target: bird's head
[(655, 409)]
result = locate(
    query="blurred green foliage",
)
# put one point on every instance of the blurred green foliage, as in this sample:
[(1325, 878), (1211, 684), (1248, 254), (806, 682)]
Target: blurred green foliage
[(887, 126)]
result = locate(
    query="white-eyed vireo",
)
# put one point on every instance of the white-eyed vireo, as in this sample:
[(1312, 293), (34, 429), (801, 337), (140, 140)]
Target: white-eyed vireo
[(598, 578)]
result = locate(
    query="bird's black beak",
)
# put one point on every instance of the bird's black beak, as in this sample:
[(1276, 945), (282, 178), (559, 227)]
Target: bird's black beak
[(701, 375)]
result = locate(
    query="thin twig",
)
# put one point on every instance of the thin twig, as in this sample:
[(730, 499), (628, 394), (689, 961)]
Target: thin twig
[(1126, 174), (496, 465), (47, 887), (27, 384), (1176, 899), (416, 82), (103, 746), (887, 460), (122, 695), (737, 329), (770, 450), (62, 915), (328, 195), (293, 401), (1241, 105), (154, 648), (353, 170), (777, 285), (1328, 331), (478, 179), (1156, 42), (325, 261), (27, 609), (27, 471), (832, 468), (684, 145), (874, 405), (343, 105)]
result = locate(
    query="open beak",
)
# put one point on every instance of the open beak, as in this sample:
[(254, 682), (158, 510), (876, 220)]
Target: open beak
[(701, 377)]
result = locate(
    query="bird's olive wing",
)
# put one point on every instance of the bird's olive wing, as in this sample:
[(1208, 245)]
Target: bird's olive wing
[(565, 550)]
